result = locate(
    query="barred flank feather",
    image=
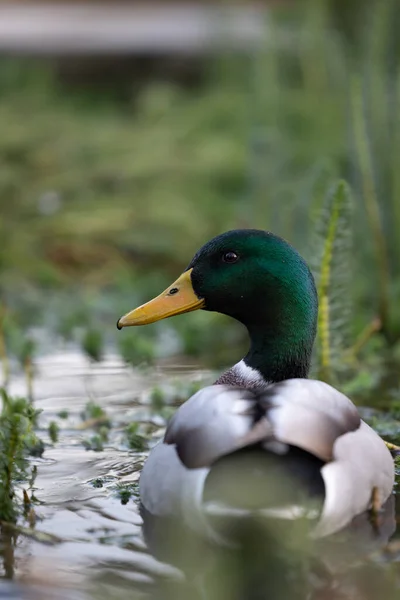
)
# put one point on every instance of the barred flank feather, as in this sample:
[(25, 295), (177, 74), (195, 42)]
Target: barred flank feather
[(331, 266)]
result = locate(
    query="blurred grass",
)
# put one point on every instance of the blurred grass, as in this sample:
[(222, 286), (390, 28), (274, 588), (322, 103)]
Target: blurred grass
[(103, 198)]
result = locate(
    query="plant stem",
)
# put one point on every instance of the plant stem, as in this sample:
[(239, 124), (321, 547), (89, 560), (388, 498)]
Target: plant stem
[(324, 320)]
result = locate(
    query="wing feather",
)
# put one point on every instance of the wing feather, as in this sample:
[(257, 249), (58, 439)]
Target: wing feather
[(310, 415), (307, 414), (210, 424), (361, 462)]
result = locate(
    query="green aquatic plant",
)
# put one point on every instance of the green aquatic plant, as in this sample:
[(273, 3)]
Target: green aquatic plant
[(36, 447), (163, 400), (104, 431), (54, 430), (134, 439), (95, 443), (332, 270), (92, 344), (125, 491), (157, 398), (160, 402), (63, 414), (17, 422), (94, 415), (92, 411), (136, 349), (23, 347), (97, 483)]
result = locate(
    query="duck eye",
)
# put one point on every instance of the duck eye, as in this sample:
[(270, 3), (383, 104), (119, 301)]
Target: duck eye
[(230, 257)]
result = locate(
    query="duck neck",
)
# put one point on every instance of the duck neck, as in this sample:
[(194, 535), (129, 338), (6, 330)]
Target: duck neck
[(277, 357), (281, 330), (271, 358)]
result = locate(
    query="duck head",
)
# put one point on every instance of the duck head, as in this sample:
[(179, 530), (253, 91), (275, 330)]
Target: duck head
[(258, 279)]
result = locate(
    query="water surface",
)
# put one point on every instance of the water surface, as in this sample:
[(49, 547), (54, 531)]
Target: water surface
[(92, 547), (95, 547)]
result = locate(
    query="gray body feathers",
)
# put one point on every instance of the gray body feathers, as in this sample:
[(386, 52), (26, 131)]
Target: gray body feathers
[(306, 424)]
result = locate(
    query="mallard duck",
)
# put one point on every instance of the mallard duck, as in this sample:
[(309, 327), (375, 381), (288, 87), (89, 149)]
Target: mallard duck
[(263, 410)]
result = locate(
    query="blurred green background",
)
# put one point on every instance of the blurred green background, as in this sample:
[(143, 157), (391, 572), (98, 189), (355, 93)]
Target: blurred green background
[(114, 172)]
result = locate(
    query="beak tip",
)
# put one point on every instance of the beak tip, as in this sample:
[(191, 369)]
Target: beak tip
[(119, 326)]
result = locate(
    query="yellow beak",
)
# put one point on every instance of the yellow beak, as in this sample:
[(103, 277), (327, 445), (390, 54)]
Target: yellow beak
[(178, 298)]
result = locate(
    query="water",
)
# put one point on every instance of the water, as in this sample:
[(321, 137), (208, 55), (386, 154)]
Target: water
[(95, 547), (88, 545)]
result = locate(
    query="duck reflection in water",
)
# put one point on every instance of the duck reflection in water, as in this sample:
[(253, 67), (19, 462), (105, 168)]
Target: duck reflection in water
[(260, 557)]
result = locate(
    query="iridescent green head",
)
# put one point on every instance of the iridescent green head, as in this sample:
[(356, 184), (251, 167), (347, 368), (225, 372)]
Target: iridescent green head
[(258, 279)]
